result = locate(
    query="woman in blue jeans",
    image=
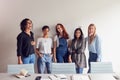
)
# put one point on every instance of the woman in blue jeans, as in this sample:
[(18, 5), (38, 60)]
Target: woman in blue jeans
[(60, 45), (25, 43), (94, 45), (44, 51), (77, 51)]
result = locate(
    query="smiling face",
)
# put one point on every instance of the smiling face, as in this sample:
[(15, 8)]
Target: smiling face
[(91, 30), (59, 29), (46, 31), (29, 25), (78, 34)]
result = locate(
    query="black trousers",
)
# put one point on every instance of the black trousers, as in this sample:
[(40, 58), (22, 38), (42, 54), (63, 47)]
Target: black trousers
[(92, 58)]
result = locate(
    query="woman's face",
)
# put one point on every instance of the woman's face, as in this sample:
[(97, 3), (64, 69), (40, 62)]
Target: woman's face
[(91, 30), (78, 34), (46, 31), (29, 25), (59, 29)]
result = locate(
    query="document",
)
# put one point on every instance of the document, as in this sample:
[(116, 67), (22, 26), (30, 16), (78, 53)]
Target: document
[(58, 77), (61, 76), (102, 77), (80, 77)]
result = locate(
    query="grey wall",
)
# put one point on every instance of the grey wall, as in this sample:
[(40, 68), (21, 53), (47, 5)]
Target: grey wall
[(72, 13)]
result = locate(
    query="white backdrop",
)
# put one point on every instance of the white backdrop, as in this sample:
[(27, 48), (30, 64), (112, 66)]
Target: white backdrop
[(71, 13)]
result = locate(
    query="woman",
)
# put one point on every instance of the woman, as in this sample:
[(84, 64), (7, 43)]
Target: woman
[(60, 44), (77, 49), (94, 45), (25, 43), (44, 51)]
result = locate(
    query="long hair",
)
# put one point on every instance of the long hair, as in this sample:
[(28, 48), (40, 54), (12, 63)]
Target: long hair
[(65, 34), (23, 24), (81, 36), (91, 38)]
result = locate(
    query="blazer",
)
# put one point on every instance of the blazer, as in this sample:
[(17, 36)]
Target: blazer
[(77, 53)]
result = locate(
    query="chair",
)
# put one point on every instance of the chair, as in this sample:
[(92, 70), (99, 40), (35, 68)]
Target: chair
[(63, 68), (101, 67), (15, 68)]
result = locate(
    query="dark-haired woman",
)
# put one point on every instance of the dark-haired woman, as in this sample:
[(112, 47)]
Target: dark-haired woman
[(44, 51), (77, 49), (25, 43), (60, 44)]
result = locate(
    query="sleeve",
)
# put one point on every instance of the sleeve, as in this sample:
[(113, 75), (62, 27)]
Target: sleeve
[(19, 45), (55, 38), (98, 48), (38, 43), (51, 43)]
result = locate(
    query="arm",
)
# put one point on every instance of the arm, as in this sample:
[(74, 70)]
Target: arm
[(38, 48), (70, 50), (54, 51), (19, 49), (38, 53), (98, 48)]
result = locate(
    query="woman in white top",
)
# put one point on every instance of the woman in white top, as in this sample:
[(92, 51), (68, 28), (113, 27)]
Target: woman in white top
[(44, 51)]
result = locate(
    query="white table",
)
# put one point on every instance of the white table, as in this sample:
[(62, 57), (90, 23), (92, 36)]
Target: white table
[(6, 76)]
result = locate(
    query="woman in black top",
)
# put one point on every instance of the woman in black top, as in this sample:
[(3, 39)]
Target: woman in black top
[(25, 43)]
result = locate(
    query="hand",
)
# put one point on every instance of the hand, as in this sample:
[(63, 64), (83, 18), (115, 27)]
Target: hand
[(20, 62), (55, 60), (33, 43), (40, 55), (70, 60), (73, 51), (98, 60), (51, 55)]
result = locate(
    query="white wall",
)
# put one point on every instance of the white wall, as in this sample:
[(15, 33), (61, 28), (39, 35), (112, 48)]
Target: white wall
[(72, 13)]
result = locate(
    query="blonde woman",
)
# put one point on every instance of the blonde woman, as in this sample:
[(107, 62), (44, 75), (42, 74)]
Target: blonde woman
[(94, 45)]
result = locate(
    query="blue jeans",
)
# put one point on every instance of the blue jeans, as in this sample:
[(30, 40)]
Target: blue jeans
[(29, 60), (79, 70), (44, 63)]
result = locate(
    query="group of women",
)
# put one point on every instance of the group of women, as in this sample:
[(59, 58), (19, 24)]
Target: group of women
[(59, 49)]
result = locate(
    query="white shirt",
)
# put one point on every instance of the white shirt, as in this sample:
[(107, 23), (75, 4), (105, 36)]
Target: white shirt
[(57, 40), (44, 45)]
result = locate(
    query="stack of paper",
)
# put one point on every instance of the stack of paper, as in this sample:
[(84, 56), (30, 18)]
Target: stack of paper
[(52, 77), (61, 76), (58, 77)]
